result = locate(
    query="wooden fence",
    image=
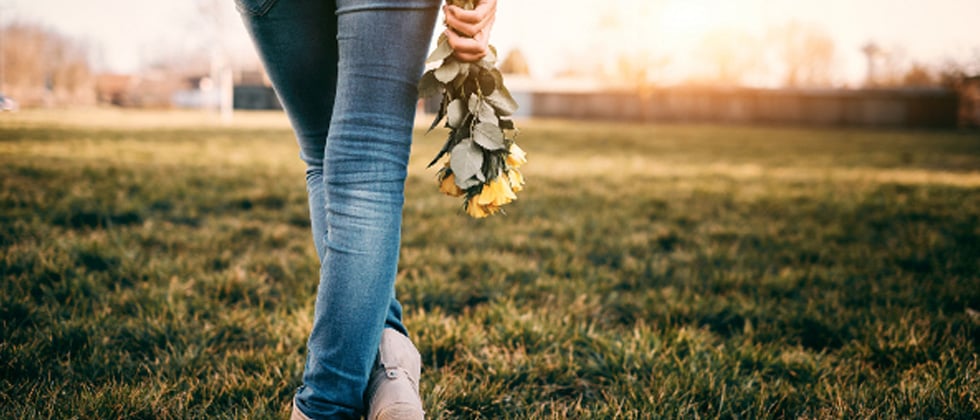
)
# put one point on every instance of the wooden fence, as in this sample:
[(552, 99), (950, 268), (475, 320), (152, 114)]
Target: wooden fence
[(901, 108)]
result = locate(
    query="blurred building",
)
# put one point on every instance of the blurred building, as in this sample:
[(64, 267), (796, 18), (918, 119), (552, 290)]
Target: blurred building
[(899, 108), (889, 108), (114, 89), (197, 93), (588, 98), (253, 90), (969, 107), (153, 88)]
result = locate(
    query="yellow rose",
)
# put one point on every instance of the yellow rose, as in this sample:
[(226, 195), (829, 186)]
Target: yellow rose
[(516, 156), (475, 210), (492, 209), (505, 192), (516, 180), (497, 192), (448, 186)]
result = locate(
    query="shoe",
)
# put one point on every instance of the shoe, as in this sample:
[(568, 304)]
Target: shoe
[(393, 391), (297, 415)]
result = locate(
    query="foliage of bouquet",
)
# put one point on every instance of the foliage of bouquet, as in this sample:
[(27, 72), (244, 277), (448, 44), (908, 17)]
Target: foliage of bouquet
[(483, 159)]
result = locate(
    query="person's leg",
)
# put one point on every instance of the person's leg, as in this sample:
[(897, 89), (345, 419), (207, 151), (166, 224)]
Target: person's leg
[(297, 42), (381, 53), (356, 178)]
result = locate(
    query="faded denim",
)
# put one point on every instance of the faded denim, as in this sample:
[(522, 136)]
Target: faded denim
[(346, 73)]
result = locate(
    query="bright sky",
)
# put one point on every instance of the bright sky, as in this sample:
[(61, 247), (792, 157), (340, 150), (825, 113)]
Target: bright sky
[(557, 34)]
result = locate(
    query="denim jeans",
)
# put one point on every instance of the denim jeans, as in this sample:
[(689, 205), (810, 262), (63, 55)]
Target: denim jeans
[(346, 73)]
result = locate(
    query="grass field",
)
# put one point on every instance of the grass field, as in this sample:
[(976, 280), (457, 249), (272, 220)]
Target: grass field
[(159, 265)]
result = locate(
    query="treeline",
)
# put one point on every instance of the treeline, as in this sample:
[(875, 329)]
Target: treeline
[(791, 55), (41, 67)]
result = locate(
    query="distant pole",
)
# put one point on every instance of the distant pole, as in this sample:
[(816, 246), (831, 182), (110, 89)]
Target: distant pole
[(227, 89), (222, 73), (3, 53), (871, 51), (214, 87), (222, 80)]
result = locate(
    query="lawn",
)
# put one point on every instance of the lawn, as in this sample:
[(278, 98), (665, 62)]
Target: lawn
[(160, 265)]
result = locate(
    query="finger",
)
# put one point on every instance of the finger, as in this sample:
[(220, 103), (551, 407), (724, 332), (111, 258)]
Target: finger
[(464, 44), (488, 7), (469, 16), (467, 28), (483, 37), (489, 27), (468, 58), (465, 48), (478, 14)]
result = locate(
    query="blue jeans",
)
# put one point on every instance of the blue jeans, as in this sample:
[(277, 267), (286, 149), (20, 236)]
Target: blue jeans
[(346, 73)]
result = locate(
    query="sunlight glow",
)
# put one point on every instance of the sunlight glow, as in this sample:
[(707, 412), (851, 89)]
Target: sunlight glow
[(683, 18), (667, 37)]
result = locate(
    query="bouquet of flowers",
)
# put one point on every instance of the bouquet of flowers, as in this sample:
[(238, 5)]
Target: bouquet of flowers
[(483, 159)]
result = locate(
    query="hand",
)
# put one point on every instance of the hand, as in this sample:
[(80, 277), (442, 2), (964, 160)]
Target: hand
[(469, 30)]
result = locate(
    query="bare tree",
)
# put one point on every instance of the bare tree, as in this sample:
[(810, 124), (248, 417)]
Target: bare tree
[(893, 66), (42, 67), (640, 68), (918, 75), (806, 52), (732, 54), (515, 63), (952, 72)]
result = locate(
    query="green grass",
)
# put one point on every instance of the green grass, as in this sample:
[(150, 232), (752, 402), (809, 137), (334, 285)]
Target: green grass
[(160, 266)]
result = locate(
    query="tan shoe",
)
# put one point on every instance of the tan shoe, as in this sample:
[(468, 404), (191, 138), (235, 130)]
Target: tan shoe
[(393, 392)]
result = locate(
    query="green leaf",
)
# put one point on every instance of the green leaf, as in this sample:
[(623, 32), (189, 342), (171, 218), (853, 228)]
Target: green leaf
[(501, 98), (497, 76), (485, 113), (439, 115), (429, 85), (447, 71), (464, 129), (455, 113), (493, 165), (486, 81), (488, 136), (466, 161), (506, 94), (473, 104), (489, 61), (506, 124), (502, 101), (442, 50), (468, 85)]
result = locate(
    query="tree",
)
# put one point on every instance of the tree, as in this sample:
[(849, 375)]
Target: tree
[(215, 14), (806, 53), (639, 69), (515, 63), (952, 72), (893, 66), (918, 76), (732, 55), (44, 67)]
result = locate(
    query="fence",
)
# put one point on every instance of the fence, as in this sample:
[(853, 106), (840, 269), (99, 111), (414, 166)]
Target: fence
[(904, 108)]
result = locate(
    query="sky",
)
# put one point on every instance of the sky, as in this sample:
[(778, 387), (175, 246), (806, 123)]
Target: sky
[(555, 34)]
